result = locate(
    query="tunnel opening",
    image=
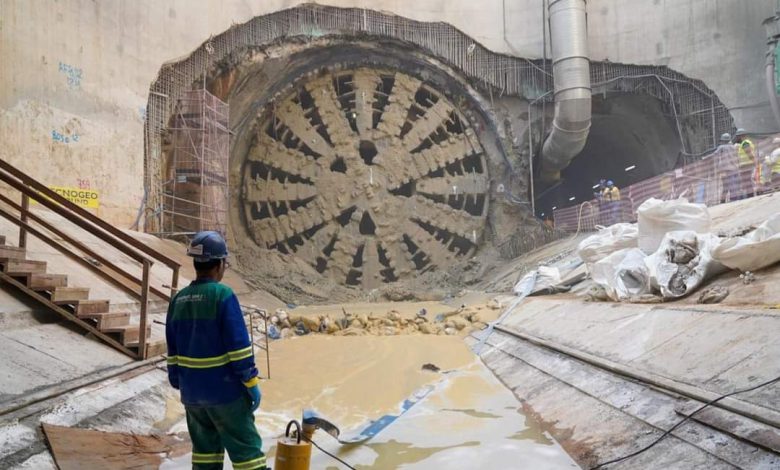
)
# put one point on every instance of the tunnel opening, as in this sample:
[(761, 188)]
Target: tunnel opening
[(632, 138)]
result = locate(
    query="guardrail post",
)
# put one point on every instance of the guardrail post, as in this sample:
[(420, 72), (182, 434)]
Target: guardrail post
[(22, 230), (144, 309), (175, 281)]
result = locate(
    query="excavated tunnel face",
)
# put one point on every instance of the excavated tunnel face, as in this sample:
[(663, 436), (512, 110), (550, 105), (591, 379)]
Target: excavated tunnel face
[(368, 175)]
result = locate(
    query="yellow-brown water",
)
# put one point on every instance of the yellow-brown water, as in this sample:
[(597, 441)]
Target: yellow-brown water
[(469, 418)]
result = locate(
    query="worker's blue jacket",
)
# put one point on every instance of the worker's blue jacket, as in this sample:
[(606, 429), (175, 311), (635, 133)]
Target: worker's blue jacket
[(209, 353)]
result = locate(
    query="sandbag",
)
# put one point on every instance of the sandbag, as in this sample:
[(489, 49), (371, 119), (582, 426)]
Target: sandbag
[(756, 250), (607, 241), (656, 218), (623, 274), (682, 263)]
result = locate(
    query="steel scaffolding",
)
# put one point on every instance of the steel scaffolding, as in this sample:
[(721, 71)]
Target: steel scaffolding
[(195, 190)]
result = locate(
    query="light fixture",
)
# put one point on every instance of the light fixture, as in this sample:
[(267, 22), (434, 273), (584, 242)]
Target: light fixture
[(595, 186), (630, 167), (572, 198), (555, 207)]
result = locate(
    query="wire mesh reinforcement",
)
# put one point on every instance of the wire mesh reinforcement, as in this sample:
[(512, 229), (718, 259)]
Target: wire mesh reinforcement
[(702, 182), (699, 114)]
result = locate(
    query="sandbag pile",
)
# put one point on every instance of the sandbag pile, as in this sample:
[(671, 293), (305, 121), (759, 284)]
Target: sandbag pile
[(671, 253)]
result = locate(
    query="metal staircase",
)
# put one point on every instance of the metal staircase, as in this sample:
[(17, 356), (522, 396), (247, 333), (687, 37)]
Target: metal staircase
[(117, 329)]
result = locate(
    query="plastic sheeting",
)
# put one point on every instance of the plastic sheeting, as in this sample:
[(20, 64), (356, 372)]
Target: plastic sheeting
[(757, 250), (656, 218), (623, 274), (607, 241), (682, 263)]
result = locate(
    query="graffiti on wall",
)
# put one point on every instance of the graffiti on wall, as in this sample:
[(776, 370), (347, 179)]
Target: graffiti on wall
[(73, 75), (63, 137)]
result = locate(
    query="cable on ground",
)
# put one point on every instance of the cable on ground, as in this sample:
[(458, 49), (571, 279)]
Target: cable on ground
[(680, 423), (328, 453)]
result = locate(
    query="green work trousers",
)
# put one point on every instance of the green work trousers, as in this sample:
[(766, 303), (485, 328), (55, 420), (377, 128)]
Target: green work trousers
[(216, 428)]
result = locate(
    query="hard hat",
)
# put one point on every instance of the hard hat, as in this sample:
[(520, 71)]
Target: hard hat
[(610, 183), (740, 131), (206, 246), (725, 137)]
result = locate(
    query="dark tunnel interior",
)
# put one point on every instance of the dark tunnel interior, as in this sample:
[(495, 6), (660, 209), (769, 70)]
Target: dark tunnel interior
[(631, 139)]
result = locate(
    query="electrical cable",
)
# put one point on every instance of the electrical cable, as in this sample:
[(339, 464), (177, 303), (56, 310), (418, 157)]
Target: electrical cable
[(680, 423), (328, 453)]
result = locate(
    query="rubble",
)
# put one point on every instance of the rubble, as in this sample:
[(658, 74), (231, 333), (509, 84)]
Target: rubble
[(458, 321)]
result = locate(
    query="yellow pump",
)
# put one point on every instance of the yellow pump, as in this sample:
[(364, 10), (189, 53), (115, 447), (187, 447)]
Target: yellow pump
[(292, 453)]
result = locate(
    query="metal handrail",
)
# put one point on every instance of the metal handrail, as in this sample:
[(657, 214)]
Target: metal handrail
[(32, 189), (84, 214)]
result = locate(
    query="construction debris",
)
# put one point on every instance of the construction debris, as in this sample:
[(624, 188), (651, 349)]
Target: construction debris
[(460, 321), (713, 295)]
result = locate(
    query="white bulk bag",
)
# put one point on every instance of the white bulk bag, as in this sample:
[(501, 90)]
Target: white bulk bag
[(656, 218)]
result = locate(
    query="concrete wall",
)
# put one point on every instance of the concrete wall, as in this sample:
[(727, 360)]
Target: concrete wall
[(76, 73)]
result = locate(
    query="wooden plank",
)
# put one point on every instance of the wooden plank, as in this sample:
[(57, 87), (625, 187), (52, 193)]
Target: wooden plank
[(155, 348), (12, 252), (46, 281), (109, 320), (88, 307), (128, 334), (79, 449), (14, 267), (69, 294)]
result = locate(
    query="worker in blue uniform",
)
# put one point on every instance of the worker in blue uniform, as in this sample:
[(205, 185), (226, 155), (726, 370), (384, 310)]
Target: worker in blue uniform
[(210, 362)]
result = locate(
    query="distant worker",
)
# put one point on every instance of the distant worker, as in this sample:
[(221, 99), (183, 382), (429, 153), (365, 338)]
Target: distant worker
[(210, 362), (749, 165), (773, 167), (611, 192), (726, 165), (611, 197)]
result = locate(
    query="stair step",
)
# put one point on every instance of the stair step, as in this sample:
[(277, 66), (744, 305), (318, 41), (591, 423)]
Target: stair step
[(107, 320), (86, 307), (67, 295), (12, 252), (153, 348), (24, 267), (129, 334), (44, 282)]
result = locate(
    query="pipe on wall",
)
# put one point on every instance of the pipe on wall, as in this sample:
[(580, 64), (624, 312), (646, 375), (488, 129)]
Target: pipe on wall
[(769, 69), (571, 76)]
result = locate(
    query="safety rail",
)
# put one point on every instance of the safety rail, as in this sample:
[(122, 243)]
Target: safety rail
[(701, 182), (32, 224)]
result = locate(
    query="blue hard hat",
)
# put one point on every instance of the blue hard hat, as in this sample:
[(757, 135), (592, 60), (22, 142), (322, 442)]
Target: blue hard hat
[(610, 183), (207, 246)]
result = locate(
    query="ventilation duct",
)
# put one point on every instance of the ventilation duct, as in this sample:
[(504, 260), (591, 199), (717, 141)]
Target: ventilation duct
[(571, 75)]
